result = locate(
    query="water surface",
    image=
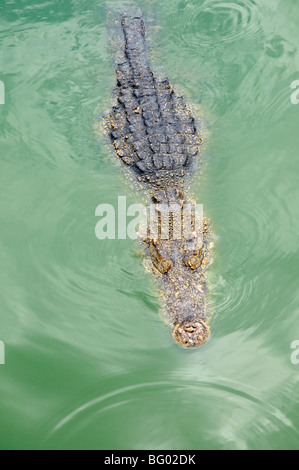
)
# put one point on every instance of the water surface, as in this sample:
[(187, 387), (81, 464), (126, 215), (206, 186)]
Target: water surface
[(89, 364)]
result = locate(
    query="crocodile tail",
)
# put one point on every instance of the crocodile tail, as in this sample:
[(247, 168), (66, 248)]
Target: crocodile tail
[(151, 128)]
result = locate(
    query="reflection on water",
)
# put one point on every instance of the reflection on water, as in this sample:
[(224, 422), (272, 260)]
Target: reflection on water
[(89, 363)]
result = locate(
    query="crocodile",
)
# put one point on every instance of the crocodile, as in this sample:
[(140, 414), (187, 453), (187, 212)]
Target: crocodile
[(157, 139)]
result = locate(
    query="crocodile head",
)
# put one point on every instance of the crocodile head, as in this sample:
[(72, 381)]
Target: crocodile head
[(179, 267)]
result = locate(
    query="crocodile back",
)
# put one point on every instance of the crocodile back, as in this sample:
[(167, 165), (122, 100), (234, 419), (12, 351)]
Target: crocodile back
[(151, 128)]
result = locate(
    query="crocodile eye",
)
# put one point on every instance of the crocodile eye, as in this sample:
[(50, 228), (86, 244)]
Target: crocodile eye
[(192, 261), (162, 264)]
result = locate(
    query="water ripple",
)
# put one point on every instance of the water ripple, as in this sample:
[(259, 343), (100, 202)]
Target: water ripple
[(179, 402), (216, 21)]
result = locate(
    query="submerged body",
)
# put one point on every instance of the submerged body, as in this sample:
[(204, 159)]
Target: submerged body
[(157, 139)]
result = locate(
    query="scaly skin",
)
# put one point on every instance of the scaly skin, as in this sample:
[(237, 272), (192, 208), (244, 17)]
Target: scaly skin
[(156, 137)]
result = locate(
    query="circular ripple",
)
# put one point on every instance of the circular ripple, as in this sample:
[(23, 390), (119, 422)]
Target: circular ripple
[(204, 23), (134, 417), (230, 297), (246, 233), (246, 238)]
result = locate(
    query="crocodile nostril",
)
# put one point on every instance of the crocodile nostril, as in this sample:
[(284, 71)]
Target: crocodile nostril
[(190, 329)]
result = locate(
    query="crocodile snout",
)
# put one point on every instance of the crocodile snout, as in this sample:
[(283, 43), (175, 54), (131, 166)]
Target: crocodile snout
[(191, 333)]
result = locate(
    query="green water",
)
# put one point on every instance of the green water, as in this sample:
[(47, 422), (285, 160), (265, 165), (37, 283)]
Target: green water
[(89, 364)]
